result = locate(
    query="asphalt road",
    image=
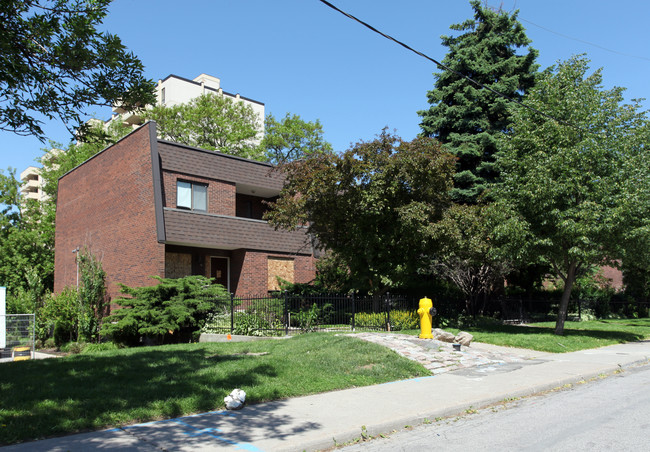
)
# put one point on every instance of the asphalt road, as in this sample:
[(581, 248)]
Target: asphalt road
[(612, 413)]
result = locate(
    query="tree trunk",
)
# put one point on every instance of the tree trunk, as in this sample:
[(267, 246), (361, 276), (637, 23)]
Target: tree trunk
[(564, 302)]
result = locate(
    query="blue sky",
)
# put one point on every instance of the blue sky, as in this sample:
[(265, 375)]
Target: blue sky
[(300, 56)]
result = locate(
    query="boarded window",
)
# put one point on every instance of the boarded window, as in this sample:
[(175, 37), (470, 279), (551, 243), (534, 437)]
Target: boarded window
[(279, 268), (178, 265)]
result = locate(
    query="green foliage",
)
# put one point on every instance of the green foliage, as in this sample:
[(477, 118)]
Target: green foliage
[(466, 118), (360, 205), (74, 348), (56, 63), (171, 311), (308, 319), (211, 121), (26, 248), (399, 320), (291, 139), (257, 323), (93, 303), (99, 347), (571, 186), (58, 317), (466, 252)]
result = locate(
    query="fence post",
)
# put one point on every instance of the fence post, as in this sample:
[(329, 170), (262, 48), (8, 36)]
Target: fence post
[(286, 313), (579, 309), (232, 312), (387, 307), (33, 336), (353, 312)]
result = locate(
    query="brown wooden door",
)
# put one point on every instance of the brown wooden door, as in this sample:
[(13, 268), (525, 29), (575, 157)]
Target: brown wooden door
[(219, 271)]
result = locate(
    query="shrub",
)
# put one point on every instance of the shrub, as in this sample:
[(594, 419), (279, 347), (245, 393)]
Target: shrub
[(257, 323), (58, 317), (174, 310), (399, 320), (73, 347), (100, 347)]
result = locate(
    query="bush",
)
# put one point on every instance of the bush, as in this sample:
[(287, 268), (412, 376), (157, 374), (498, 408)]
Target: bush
[(100, 347), (257, 323), (58, 317), (73, 347), (399, 320), (174, 310)]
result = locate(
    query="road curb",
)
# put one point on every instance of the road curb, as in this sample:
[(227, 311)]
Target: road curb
[(355, 432)]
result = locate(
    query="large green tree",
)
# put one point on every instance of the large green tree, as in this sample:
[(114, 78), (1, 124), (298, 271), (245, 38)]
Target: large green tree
[(467, 254), (26, 247), (293, 138), (56, 64), (214, 122), (492, 50), (369, 205), (571, 181)]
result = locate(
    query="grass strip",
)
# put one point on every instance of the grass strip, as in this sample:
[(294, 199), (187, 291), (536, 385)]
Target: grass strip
[(44, 398), (577, 335)]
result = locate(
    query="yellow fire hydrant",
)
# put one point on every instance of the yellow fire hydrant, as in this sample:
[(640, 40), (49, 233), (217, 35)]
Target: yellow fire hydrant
[(426, 313)]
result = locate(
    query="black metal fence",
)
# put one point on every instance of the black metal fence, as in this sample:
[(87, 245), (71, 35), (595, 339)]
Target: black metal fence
[(538, 310), (286, 314)]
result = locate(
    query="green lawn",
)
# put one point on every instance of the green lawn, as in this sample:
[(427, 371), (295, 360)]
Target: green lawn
[(577, 335), (87, 392)]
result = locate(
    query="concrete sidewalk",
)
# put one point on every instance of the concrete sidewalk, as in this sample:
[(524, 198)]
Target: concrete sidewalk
[(323, 420)]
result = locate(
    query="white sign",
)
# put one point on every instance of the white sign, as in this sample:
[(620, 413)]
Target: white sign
[(3, 317)]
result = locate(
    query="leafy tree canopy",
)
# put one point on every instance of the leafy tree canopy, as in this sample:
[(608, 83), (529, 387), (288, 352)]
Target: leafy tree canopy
[(574, 185), (26, 247), (369, 204), (466, 118), (211, 121), (467, 253), (292, 138), (56, 64)]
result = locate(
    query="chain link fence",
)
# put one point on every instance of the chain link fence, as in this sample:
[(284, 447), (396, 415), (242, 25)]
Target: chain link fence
[(17, 335)]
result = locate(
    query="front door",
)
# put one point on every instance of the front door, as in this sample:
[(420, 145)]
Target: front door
[(219, 271)]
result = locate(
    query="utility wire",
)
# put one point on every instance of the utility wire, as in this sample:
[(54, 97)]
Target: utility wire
[(585, 42), (447, 68)]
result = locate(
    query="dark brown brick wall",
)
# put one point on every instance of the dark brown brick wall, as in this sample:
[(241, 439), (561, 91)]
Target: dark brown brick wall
[(107, 204), (221, 194), (249, 270)]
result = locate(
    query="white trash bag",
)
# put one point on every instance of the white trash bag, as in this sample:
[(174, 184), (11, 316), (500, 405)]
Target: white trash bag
[(235, 400)]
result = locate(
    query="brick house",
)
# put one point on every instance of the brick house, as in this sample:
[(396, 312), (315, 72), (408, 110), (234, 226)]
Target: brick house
[(146, 207)]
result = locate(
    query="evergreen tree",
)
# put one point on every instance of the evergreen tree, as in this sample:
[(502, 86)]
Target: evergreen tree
[(466, 118)]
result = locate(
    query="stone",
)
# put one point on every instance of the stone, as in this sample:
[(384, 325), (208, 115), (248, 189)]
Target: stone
[(464, 338), (443, 335)]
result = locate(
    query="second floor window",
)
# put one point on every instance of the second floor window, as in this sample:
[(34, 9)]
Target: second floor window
[(191, 195)]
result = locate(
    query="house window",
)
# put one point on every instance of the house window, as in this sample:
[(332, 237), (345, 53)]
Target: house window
[(191, 195), (162, 96)]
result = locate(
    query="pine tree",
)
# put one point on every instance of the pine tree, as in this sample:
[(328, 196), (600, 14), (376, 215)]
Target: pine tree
[(494, 51)]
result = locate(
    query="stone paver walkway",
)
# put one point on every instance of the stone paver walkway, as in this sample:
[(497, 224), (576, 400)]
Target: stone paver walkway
[(440, 357)]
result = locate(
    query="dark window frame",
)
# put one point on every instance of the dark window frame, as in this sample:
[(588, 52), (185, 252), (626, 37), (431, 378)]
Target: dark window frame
[(192, 185)]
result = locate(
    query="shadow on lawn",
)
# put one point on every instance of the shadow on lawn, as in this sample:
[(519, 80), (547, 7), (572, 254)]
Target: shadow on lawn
[(88, 392)]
